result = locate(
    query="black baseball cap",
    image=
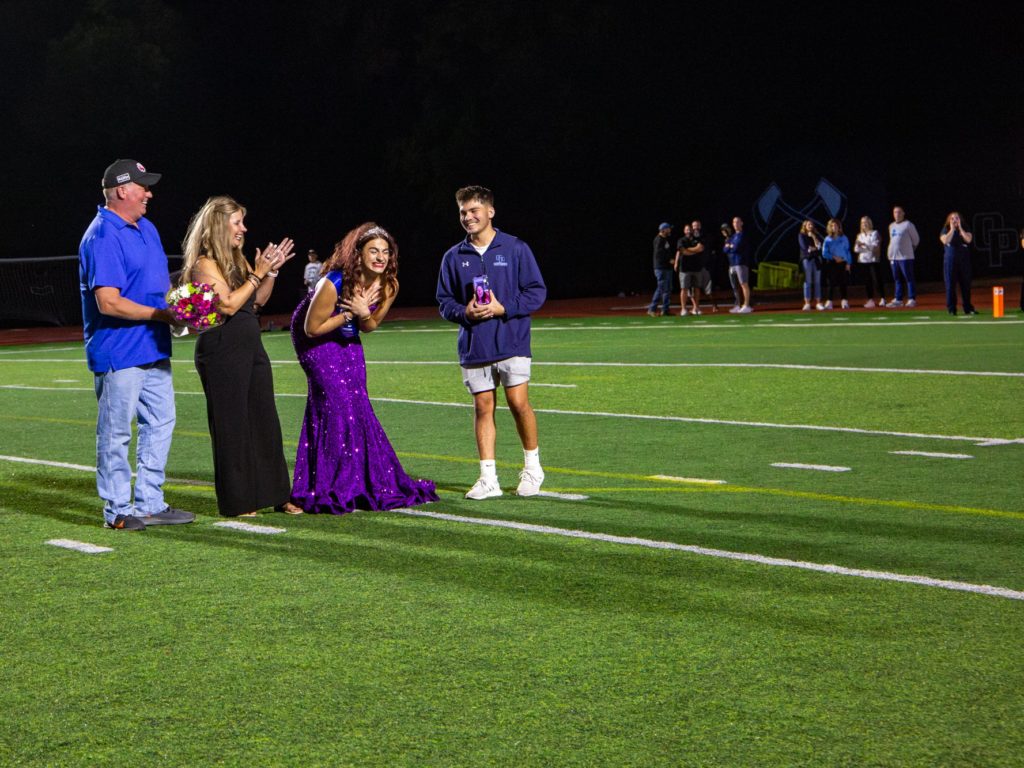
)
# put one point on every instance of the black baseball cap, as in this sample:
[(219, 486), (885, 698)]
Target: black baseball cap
[(123, 171)]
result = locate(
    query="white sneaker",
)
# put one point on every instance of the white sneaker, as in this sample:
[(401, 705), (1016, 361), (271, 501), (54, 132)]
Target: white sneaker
[(870, 304), (484, 489), (745, 310), (733, 310), (695, 312), (529, 482), (827, 305), (896, 303), (819, 306), (844, 304), (807, 307), (682, 313), (881, 302), (911, 303)]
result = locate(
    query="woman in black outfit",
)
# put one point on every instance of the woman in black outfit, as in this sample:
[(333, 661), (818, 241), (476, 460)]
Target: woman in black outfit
[(249, 469)]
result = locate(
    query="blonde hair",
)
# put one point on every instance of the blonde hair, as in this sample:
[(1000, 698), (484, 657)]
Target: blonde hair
[(866, 225), (834, 228), (807, 227), (208, 236)]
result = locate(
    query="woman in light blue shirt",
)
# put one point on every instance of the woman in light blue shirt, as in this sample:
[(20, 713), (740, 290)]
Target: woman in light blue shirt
[(835, 252)]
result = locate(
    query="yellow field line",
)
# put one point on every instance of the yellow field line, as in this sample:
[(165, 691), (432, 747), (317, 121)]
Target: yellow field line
[(685, 486), (696, 486)]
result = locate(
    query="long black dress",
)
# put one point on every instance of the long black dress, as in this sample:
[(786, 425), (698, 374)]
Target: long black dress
[(249, 469)]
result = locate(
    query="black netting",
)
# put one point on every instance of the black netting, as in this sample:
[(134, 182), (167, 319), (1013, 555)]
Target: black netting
[(43, 291)]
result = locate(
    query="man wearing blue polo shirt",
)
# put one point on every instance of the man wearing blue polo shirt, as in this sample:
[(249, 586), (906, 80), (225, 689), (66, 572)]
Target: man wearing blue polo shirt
[(124, 281)]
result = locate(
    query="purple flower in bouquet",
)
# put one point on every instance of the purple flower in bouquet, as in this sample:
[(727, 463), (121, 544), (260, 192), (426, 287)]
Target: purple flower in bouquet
[(194, 305)]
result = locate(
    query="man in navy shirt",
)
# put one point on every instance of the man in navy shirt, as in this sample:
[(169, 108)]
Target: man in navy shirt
[(737, 249), (494, 331), (123, 281)]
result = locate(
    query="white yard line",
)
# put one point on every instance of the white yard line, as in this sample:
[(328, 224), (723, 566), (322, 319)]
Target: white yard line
[(838, 570), (628, 540), (238, 525), (86, 468), (988, 441), (563, 496), (78, 546), (58, 464), (814, 467), (737, 423), (31, 348), (581, 364), (733, 324), (933, 455)]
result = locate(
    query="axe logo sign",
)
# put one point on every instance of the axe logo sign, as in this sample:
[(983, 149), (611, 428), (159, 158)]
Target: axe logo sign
[(780, 221)]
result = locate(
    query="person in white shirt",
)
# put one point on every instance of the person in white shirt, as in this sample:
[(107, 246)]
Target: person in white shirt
[(311, 274), (867, 247), (903, 239)]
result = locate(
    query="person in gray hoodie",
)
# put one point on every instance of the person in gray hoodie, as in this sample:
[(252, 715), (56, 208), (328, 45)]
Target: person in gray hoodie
[(903, 239)]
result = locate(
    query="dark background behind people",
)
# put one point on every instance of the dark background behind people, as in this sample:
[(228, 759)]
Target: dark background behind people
[(560, 95)]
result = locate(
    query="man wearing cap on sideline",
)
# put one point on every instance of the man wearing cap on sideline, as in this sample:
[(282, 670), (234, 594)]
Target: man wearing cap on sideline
[(123, 278), (664, 255)]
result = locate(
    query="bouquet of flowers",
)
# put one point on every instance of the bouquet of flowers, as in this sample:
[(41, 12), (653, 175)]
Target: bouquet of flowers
[(194, 305)]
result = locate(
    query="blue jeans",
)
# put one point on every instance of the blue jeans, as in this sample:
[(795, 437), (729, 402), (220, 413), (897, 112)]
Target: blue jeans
[(812, 280), (147, 394), (663, 290), (903, 269)]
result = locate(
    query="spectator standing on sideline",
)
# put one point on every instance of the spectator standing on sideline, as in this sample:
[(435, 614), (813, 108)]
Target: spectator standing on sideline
[(867, 247), (956, 263), (835, 254), (489, 284), (311, 274), (706, 283), (688, 263), (663, 255), (124, 283), (809, 242), (737, 249), (903, 239)]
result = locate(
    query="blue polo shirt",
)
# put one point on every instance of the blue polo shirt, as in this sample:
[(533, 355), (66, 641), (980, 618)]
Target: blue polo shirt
[(131, 258)]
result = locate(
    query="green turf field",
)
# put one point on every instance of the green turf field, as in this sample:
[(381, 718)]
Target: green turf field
[(396, 640)]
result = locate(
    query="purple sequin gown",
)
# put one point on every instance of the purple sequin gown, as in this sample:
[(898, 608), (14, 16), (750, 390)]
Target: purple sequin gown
[(344, 461)]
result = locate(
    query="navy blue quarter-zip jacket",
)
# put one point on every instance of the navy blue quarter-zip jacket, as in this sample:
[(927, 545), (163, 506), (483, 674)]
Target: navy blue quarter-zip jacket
[(514, 279)]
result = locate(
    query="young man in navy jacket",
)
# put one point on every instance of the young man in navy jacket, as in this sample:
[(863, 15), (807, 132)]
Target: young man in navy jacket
[(489, 284)]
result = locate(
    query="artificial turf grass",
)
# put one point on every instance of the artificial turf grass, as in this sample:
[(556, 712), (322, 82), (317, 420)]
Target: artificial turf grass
[(596, 664), (453, 625)]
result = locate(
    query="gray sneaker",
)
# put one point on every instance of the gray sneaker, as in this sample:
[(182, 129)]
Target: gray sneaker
[(170, 516), (126, 523)]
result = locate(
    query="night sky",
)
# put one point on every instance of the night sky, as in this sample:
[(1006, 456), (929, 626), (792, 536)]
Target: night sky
[(591, 121)]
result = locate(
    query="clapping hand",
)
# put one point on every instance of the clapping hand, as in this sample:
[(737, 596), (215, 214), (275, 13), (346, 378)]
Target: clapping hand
[(274, 255)]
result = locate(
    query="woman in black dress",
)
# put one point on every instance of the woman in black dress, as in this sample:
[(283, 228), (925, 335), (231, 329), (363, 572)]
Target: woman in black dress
[(249, 469)]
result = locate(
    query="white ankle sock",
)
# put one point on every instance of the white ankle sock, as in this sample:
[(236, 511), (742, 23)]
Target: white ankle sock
[(531, 459), (488, 470)]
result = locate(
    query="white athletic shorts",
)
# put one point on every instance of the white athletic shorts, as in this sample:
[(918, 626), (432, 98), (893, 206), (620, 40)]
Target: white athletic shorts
[(742, 273), (509, 372)]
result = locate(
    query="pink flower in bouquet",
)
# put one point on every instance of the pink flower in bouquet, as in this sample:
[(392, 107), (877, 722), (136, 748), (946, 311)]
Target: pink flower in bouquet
[(194, 305)]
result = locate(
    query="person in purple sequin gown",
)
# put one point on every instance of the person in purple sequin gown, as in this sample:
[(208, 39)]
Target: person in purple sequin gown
[(344, 460)]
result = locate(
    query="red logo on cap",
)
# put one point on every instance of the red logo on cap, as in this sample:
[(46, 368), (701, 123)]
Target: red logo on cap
[(141, 167)]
